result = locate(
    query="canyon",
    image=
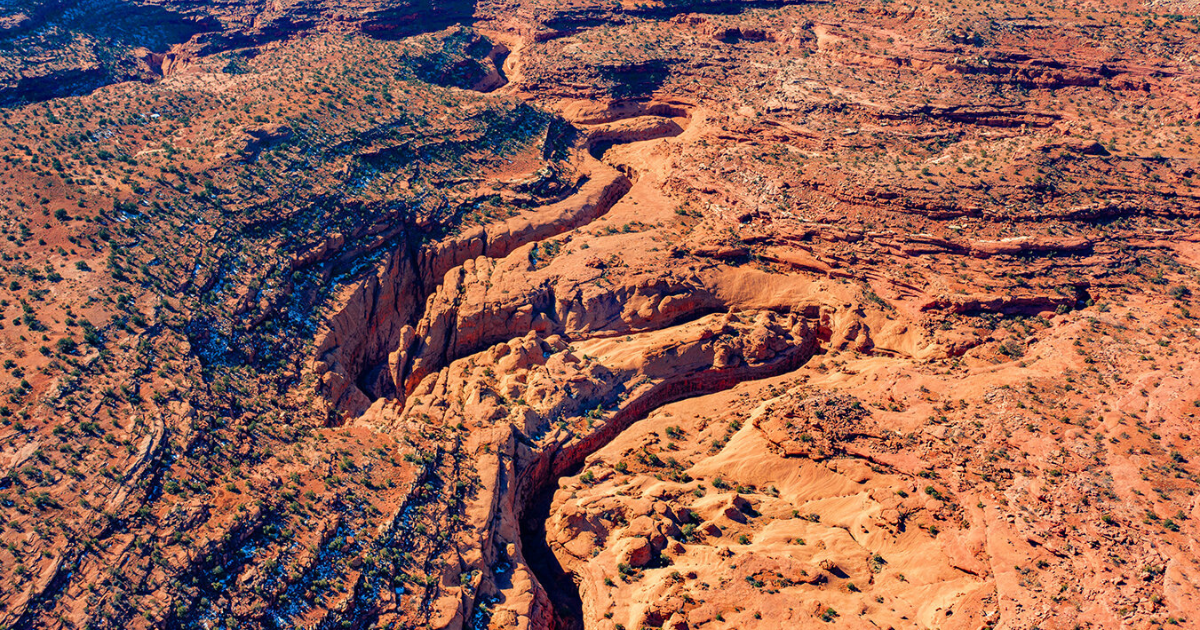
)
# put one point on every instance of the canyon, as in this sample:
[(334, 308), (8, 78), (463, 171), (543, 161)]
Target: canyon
[(673, 314)]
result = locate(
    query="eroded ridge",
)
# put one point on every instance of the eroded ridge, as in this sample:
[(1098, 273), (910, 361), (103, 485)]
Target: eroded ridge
[(584, 351)]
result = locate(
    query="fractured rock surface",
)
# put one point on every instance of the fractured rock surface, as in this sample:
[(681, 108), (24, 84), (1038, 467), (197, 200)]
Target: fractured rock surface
[(592, 314)]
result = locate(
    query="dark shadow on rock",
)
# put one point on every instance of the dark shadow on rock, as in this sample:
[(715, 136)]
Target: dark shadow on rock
[(559, 584)]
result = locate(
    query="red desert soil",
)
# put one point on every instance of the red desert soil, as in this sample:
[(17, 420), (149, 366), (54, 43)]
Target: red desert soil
[(534, 314)]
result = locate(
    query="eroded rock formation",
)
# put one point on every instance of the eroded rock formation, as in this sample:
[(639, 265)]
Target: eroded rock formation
[(677, 314)]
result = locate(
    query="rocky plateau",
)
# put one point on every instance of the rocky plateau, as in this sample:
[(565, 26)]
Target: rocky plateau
[(597, 314)]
